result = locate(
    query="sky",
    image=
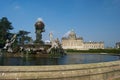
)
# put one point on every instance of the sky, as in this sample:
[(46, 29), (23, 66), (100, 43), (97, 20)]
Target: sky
[(94, 20)]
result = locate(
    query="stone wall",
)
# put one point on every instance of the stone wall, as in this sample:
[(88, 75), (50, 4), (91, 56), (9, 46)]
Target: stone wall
[(94, 71)]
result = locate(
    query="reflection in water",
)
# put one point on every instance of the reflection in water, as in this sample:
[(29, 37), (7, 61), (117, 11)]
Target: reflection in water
[(67, 59)]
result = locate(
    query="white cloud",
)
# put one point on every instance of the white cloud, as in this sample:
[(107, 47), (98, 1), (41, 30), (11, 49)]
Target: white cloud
[(17, 7)]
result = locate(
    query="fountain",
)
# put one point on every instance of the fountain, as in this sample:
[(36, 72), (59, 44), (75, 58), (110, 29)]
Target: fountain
[(38, 48), (39, 28), (93, 71)]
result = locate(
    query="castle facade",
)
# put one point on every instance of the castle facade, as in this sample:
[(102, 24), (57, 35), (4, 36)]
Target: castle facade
[(77, 43)]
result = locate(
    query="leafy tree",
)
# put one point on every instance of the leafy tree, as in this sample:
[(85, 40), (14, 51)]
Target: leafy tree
[(23, 37), (5, 27), (28, 39)]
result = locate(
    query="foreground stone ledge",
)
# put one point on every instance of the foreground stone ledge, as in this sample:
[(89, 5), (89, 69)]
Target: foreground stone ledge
[(94, 71)]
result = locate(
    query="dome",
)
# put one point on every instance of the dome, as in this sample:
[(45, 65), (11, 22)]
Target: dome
[(72, 34)]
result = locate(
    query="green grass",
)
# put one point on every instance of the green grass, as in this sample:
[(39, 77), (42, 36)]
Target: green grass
[(112, 51)]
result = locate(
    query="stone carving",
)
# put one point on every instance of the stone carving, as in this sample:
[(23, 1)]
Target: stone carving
[(55, 45), (9, 44), (51, 37), (39, 28)]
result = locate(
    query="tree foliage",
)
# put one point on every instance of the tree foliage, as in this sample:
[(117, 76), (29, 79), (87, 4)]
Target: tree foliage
[(23, 37), (5, 27)]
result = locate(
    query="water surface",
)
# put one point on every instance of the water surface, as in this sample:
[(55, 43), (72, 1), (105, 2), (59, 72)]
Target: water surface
[(67, 59)]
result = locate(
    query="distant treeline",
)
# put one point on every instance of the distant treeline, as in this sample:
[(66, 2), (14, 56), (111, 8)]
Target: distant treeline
[(117, 51)]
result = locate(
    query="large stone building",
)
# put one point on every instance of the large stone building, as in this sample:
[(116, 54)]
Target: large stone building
[(74, 42), (118, 45)]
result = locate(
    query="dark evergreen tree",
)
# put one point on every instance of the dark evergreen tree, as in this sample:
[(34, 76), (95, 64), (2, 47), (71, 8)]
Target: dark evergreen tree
[(5, 27), (23, 37)]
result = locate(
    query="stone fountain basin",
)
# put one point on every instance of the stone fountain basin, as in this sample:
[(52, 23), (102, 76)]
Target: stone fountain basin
[(93, 71)]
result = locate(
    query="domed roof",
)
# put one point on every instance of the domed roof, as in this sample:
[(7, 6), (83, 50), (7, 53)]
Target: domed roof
[(72, 34)]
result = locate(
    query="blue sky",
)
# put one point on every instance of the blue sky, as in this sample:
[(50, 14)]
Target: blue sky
[(94, 20)]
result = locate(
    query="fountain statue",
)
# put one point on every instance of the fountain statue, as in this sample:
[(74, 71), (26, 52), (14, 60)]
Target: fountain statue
[(55, 45), (38, 48), (39, 28), (9, 43), (51, 36)]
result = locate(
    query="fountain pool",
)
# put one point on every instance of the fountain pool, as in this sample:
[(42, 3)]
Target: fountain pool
[(82, 58)]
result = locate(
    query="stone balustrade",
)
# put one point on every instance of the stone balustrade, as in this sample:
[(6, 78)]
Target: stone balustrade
[(93, 71)]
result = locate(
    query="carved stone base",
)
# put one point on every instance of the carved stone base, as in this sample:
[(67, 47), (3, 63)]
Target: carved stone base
[(38, 42)]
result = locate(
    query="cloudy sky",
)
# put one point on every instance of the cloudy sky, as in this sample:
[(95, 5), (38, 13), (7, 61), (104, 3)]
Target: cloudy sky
[(94, 20)]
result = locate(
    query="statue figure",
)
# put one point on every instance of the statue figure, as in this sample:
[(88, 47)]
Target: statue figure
[(39, 28), (9, 44), (55, 44), (51, 37)]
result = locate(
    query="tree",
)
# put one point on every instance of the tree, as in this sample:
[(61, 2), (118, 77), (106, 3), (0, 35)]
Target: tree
[(5, 27), (23, 37)]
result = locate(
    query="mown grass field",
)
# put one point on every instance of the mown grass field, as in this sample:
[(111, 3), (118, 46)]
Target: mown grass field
[(110, 51)]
